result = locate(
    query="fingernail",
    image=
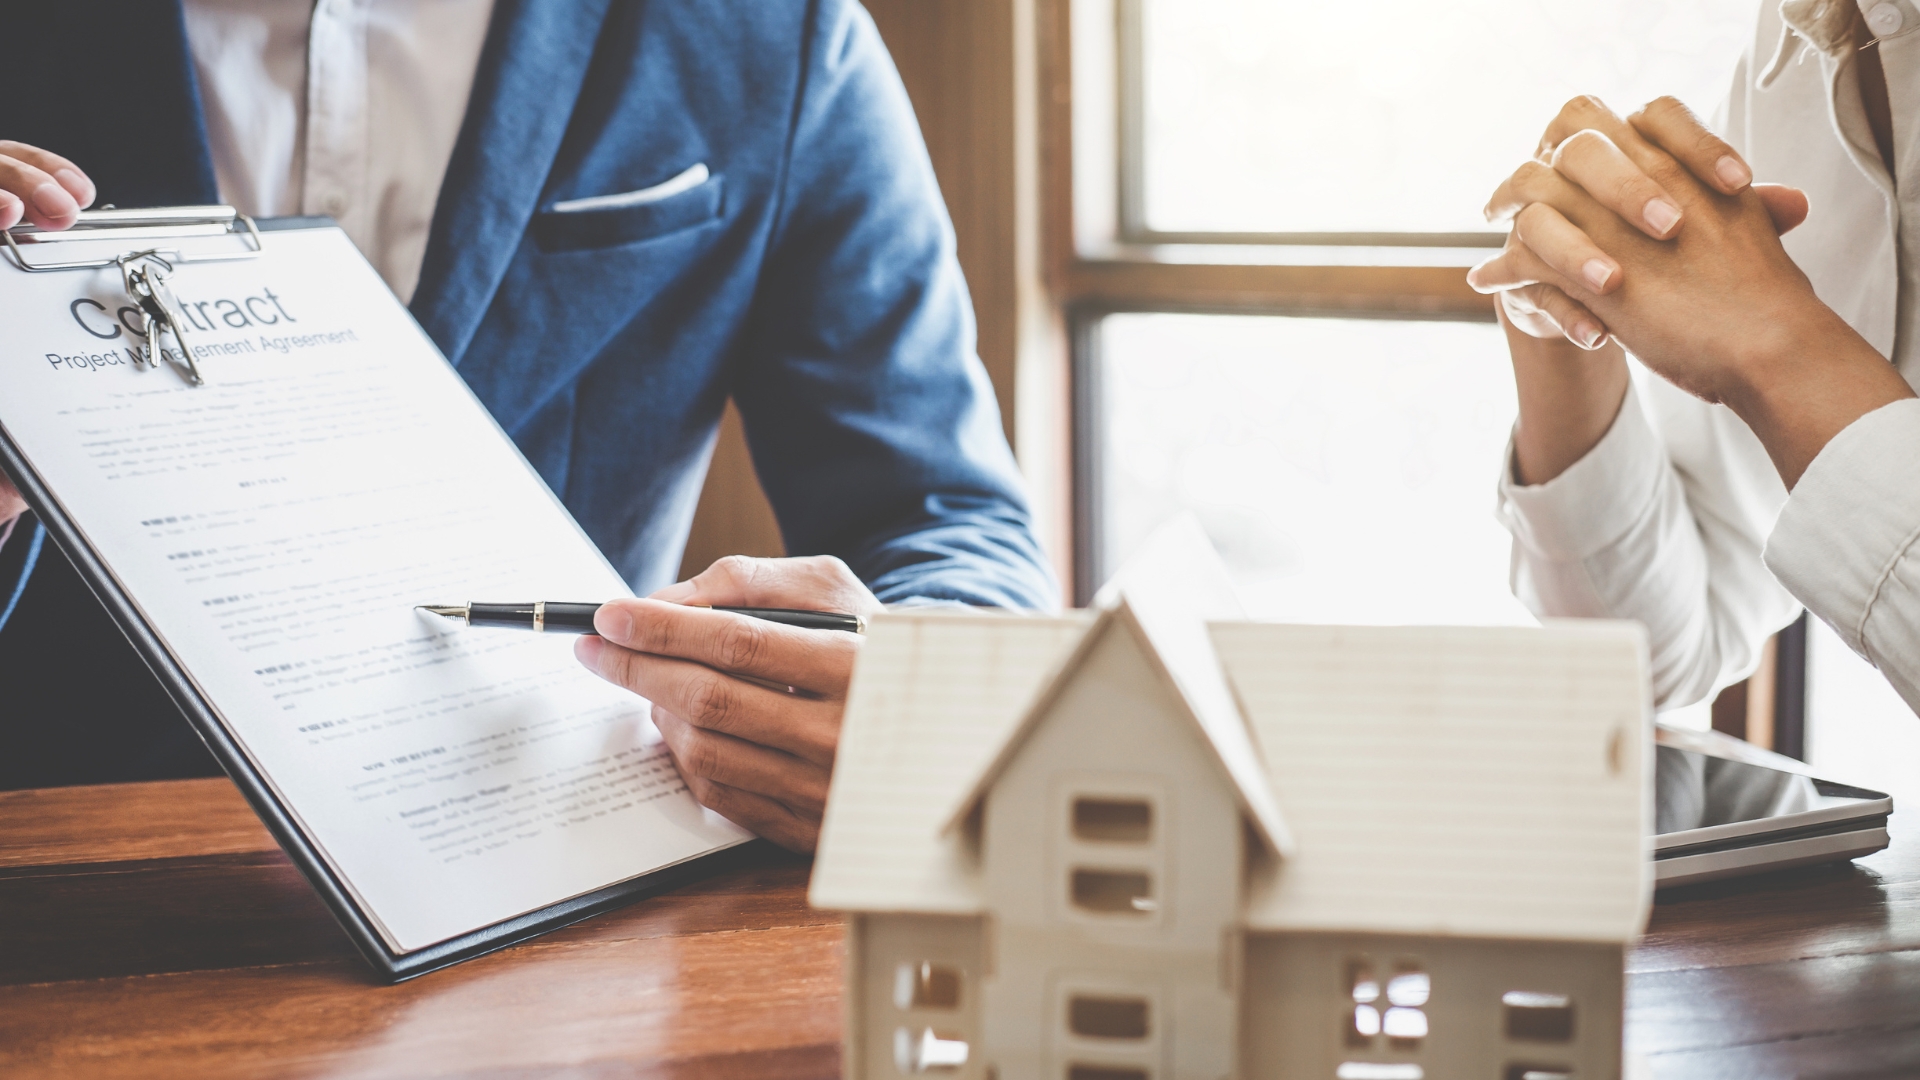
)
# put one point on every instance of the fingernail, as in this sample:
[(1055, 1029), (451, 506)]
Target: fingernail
[(1732, 172), (676, 592), (613, 623), (79, 186), (1478, 276), (586, 649), (1662, 215), (1597, 272), (1588, 335), (53, 200)]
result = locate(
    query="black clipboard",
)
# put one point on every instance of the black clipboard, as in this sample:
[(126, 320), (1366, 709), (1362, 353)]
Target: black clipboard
[(391, 966)]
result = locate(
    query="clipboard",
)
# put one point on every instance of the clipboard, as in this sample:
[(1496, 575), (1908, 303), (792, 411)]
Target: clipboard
[(156, 234)]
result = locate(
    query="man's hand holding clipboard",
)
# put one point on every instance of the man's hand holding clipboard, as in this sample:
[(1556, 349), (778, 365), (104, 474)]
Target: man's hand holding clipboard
[(50, 191), (41, 187), (759, 758)]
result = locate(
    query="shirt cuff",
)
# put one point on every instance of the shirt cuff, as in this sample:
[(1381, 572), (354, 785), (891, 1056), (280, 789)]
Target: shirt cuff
[(1591, 505), (1851, 518)]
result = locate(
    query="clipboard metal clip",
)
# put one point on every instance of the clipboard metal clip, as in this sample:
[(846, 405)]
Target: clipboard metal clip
[(165, 222), (144, 270)]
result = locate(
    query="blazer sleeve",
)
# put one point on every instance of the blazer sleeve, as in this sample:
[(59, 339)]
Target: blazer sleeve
[(870, 417)]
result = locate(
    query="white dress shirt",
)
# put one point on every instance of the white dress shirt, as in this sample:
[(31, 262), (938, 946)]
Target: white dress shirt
[(1677, 517), (347, 108)]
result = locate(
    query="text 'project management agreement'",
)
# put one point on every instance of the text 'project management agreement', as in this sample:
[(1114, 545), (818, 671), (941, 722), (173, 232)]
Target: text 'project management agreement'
[(275, 528)]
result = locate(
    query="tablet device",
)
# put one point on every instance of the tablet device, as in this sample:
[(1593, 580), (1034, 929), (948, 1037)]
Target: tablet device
[(1726, 808)]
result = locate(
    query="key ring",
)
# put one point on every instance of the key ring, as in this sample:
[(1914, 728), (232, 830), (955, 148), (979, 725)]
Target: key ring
[(145, 273)]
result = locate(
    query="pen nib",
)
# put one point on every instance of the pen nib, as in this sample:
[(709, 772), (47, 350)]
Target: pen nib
[(451, 611)]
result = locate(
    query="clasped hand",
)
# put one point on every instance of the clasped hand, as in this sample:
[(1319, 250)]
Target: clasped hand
[(1647, 227), (1650, 230)]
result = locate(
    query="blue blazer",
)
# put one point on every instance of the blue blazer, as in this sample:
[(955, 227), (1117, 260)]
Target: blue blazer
[(812, 277)]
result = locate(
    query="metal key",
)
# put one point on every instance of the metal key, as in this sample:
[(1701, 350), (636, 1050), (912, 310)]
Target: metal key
[(145, 276), (152, 355), (153, 337)]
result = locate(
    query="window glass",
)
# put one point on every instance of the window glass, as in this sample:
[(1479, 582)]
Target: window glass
[(1394, 115), (1345, 468)]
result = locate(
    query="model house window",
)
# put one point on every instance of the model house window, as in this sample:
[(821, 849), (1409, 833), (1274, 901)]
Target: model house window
[(1535, 1017), (926, 985), (1112, 820), (1407, 994), (1106, 1072), (1113, 892), (926, 1050), (1526, 1071), (1099, 1017), (1396, 1010), (919, 1048), (1374, 1070)]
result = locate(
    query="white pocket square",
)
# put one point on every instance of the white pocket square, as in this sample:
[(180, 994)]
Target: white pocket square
[(686, 181)]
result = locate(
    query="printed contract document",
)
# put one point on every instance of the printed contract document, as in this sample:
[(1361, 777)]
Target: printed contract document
[(274, 528)]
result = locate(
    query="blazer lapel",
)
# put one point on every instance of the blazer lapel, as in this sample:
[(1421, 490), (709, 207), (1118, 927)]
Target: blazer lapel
[(531, 71)]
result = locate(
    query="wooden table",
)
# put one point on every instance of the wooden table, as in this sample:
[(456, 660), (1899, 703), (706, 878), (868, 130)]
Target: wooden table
[(154, 930)]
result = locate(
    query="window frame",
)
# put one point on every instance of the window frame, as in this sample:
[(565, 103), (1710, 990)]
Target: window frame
[(1098, 258)]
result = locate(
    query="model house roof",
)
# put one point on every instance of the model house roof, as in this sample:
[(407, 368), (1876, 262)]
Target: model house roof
[(1468, 781), (1463, 781)]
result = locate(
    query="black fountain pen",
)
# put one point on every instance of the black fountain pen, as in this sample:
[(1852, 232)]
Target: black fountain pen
[(565, 618)]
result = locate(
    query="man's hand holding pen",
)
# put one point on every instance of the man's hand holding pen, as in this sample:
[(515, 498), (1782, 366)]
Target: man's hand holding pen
[(759, 756)]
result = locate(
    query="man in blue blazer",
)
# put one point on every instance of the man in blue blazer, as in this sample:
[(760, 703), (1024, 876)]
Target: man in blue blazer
[(808, 272)]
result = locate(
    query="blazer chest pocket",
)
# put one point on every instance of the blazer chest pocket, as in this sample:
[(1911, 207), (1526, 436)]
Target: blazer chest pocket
[(603, 221)]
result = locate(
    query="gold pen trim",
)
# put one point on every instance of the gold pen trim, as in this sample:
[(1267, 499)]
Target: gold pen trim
[(539, 616)]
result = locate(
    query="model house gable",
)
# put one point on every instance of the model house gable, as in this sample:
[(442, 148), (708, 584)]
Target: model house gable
[(1197, 699), (1111, 847), (1107, 794), (935, 693)]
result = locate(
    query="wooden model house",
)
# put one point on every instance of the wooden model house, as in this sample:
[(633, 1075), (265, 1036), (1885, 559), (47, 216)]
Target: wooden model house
[(1134, 844)]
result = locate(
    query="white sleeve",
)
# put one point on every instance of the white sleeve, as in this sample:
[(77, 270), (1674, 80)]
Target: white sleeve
[(1663, 521), (1845, 543)]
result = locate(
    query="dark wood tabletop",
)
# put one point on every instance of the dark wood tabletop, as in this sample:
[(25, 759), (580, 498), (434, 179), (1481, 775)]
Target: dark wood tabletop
[(155, 930)]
